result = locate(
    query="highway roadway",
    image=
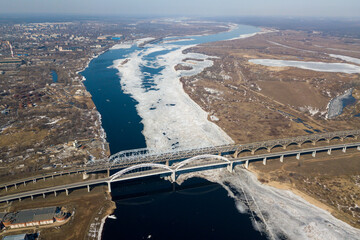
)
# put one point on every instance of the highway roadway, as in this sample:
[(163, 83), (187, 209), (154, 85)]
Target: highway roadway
[(191, 166)]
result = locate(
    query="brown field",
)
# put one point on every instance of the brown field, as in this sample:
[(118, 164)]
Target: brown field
[(87, 208), (257, 103)]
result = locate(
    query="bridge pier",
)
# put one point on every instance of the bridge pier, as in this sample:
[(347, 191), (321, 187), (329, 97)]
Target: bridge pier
[(67, 192), (282, 158), (344, 149), (298, 156), (264, 161), (108, 172), (44, 179), (313, 154), (109, 186), (43, 195), (358, 148), (19, 199), (284, 147), (167, 163), (313, 143), (247, 164), (85, 176), (6, 188), (329, 152), (88, 188), (230, 167), (24, 184), (55, 193), (32, 197), (236, 154), (268, 150), (173, 176), (253, 152), (34, 180)]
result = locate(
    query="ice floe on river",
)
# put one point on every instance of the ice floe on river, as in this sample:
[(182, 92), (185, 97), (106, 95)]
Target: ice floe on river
[(280, 213), (172, 120)]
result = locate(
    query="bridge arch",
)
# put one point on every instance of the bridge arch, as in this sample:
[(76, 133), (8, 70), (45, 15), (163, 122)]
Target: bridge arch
[(126, 170), (277, 146), (292, 143), (205, 156)]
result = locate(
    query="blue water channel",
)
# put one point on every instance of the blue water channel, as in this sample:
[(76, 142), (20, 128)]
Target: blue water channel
[(190, 214)]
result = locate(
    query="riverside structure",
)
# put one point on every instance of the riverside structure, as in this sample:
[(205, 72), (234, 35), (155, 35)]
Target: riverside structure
[(172, 164)]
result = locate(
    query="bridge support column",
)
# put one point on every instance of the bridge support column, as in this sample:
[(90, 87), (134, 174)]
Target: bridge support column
[(252, 152), (109, 186), (173, 176), (43, 195), (268, 150), (313, 143), (264, 161), (32, 197), (34, 180), (15, 186), (7, 201), (358, 148), (328, 140), (230, 167), (344, 149), (313, 154), (236, 153), (355, 137), (44, 179), (167, 163), (247, 164), (284, 147), (88, 187), (341, 139), (19, 199), (24, 184), (299, 145), (55, 193), (5, 188), (67, 192), (282, 158), (108, 172), (329, 152), (52, 176), (85, 176), (298, 156)]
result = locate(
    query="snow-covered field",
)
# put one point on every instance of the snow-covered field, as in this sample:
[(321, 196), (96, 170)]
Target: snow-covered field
[(315, 66), (280, 213)]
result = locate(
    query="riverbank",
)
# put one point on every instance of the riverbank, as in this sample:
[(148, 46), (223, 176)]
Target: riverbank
[(333, 188)]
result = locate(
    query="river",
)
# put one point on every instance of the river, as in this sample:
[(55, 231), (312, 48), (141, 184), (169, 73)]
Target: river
[(140, 98)]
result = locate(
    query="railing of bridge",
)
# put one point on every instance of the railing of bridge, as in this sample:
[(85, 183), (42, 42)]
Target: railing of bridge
[(143, 155)]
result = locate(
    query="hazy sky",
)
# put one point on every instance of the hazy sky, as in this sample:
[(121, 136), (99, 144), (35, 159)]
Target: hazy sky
[(333, 8)]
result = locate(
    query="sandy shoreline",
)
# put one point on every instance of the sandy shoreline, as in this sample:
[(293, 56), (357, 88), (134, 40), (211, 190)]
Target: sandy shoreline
[(285, 186)]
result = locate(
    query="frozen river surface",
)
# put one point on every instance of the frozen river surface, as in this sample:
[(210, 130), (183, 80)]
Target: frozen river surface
[(314, 66)]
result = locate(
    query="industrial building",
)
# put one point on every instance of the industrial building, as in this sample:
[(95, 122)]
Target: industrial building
[(32, 217)]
